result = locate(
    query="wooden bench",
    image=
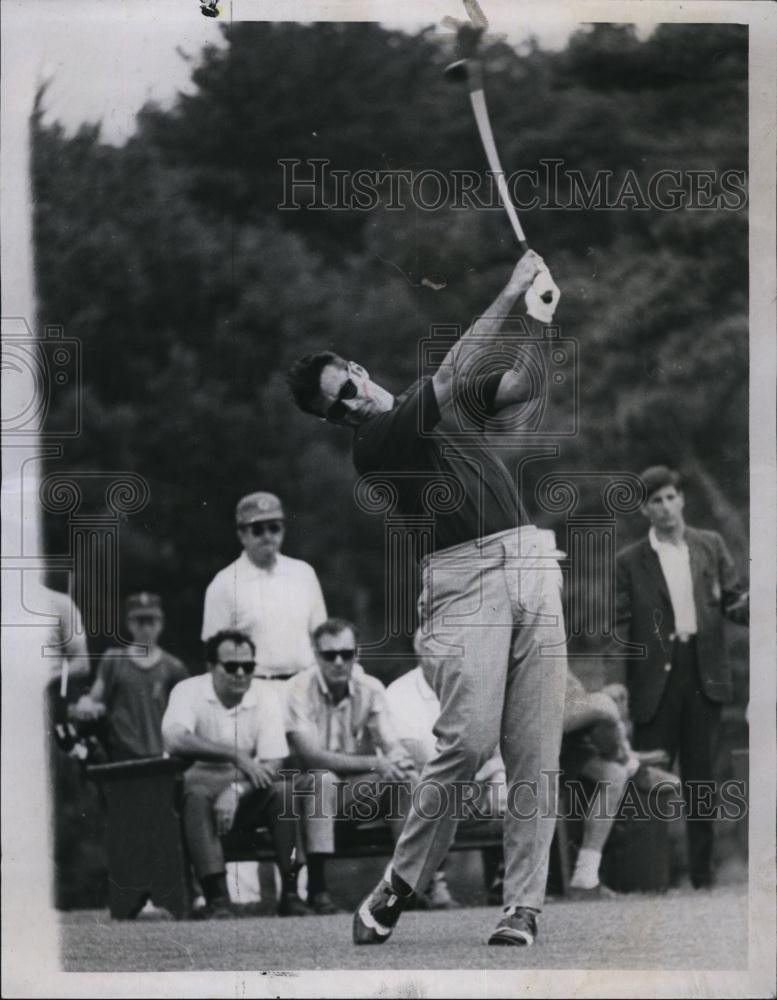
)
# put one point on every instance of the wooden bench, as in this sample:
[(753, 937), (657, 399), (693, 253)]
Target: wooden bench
[(146, 852), (147, 858)]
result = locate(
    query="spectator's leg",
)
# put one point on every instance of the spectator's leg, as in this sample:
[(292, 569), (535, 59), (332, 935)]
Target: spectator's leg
[(268, 805), (698, 747), (205, 850), (610, 778), (317, 806), (662, 732)]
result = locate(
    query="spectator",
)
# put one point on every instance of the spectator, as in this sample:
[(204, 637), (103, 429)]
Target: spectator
[(337, 722), (232, 730), (133, 685), (414, 710), (674, 589), (595, 747), (276, 600)]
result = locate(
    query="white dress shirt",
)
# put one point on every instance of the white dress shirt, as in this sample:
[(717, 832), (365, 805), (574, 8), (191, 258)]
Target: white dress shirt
[(254, 725), (676, 566), (278, 607)]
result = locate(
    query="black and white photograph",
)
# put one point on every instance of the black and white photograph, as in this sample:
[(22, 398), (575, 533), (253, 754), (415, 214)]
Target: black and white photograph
[(388, 433)]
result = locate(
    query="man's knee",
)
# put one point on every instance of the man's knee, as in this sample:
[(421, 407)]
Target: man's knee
[(316, 793), (615, 775)]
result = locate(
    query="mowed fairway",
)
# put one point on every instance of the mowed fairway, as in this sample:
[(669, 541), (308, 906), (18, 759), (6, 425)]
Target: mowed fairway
[(678, 930)]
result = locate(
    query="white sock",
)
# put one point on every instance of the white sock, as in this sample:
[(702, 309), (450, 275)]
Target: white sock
[(586, 874)]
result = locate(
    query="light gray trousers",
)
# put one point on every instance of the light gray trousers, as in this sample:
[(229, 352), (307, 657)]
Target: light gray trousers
[(491, 642)]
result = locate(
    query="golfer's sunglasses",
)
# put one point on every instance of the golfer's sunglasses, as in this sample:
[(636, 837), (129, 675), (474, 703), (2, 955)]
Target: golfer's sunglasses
[(258, 528), (338, 409), (330, 655), (232, 666)]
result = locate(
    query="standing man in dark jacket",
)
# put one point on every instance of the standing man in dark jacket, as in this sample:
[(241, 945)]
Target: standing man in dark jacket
[(674, 588)]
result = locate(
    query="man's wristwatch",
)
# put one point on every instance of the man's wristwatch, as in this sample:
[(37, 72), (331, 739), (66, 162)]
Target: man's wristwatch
[(239, 787)]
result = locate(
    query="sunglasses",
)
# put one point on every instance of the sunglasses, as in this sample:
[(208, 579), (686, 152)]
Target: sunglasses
[(338, 409), (144, 619), (258, 528), (232, 666), (330, 655)]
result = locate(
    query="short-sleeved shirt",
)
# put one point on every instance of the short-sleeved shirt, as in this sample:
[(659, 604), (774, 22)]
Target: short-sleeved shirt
[(278, 607), (254, 725), (135, 701), (409, 445), (415, 708), (358, 724)]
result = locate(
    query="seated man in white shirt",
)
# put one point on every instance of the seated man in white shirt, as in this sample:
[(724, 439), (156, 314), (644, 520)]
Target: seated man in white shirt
[(275, 599), (337, 724), (233, 730), (414, 710)]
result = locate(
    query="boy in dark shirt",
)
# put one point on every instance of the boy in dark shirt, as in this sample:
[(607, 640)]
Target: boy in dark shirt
[(133, 684)]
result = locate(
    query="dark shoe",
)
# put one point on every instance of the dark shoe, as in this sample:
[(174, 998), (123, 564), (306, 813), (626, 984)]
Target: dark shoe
[(378, 913), (323, 904), (599, 891), (219, 908), (518, 926), (291, 905)]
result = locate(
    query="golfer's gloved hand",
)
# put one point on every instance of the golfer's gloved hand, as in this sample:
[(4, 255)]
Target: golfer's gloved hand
[(542, 297), (524, 273)]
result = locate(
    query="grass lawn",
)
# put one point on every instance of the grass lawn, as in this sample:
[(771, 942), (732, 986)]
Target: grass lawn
[(679, 930)]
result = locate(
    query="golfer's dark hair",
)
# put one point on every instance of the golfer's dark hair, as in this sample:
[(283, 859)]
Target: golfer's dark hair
[(659, 476), (334, 626), (226, 635), (304, 378)]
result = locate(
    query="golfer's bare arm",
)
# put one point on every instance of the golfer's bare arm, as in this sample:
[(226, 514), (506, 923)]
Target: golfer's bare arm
[(477, 339)]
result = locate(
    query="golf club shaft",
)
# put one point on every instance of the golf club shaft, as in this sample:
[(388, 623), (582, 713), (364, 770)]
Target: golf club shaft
[(478, 99)]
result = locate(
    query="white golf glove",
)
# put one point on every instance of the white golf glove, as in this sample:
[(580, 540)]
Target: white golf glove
[(542, 296)]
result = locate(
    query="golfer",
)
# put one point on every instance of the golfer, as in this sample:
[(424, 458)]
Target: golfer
[(490, 636)]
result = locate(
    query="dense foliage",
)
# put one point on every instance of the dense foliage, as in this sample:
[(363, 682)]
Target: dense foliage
[(191, 291)]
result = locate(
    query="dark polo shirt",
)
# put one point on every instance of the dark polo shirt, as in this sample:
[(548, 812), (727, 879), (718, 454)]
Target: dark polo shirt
[(459, 481)]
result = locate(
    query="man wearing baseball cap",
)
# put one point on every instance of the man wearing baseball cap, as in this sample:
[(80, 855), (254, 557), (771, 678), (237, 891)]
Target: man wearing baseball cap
[(276, 600), (674, 589)]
